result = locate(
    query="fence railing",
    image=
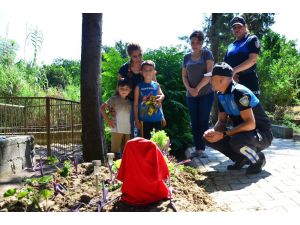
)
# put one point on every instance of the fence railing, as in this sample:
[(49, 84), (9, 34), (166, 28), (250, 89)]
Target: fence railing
[(55, 123)]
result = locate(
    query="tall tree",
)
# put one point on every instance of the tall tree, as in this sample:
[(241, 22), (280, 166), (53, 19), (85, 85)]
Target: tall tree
[(92, 124), (218, 34), (259, 23), (217, 38)]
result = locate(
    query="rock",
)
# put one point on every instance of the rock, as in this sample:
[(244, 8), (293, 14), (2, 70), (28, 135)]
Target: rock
[(195, 162), (85, 199), (50, 204), (188, 152)]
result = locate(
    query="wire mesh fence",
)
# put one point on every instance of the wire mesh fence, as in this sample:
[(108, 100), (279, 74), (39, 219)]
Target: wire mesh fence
[(55, 123)]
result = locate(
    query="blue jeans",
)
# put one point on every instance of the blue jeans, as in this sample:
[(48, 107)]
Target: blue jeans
[(199, 108)]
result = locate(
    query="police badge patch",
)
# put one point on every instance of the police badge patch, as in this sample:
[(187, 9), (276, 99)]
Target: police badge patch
[(257, 44), (245, 101)]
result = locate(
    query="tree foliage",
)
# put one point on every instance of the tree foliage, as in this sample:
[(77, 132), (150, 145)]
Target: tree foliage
[(279, 72), (218, 30), (8, 51)]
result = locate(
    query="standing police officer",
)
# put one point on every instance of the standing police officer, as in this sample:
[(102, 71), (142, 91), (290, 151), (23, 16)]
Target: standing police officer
[(242, 55), (251, 132)]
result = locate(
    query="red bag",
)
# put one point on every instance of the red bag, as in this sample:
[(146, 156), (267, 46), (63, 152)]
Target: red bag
[(142, 171)]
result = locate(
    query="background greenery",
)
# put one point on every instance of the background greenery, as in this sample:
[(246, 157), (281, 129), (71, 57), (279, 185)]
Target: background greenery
[(278, 69)]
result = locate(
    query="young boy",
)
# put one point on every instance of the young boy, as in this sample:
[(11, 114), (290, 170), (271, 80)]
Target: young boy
[(147, 101)]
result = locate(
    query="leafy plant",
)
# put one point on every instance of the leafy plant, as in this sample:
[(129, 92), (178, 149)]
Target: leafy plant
[(52, 160), (25, 192), (32, 198), (45, 179), (116, 165), (115, 186), (46, 194), (39, 181), (10, 192), (161, 139), (64, 172)]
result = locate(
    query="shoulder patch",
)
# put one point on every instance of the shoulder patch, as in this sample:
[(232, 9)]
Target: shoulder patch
[(244, 101)]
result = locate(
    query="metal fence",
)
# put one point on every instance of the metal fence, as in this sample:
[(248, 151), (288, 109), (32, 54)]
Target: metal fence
[(55, 123)]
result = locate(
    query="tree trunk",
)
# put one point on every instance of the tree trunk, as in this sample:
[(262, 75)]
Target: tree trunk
[(215, 43), (93, 139)]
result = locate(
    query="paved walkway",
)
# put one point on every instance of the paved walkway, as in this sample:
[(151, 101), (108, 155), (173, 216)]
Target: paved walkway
[(276, 188)]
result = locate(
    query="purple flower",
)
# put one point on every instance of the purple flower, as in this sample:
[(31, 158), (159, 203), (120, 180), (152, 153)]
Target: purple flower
[(41, 168), (99, 207), (104, 192)]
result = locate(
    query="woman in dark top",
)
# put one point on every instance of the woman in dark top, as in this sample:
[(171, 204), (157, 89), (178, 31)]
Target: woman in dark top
[(132, 70), (242, 55), (196, 72)]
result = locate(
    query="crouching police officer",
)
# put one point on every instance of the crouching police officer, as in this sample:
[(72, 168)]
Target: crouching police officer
[(251, 132)]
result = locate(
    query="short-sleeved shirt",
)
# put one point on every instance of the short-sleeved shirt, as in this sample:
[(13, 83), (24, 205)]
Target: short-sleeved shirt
[(149, 110), (237, 53), (134, 78), (122, 108), (237, 98), (196, 70)]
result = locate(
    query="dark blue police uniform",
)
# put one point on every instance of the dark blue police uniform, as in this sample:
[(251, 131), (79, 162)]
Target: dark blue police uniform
[(234, 100), (237, 53)]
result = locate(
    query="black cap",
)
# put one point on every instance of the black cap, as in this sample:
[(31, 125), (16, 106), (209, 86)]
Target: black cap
[(222, 69), (238, 20)]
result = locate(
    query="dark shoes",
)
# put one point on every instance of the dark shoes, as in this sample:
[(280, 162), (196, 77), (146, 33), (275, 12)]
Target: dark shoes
[(239, 164), (254, 168), (257, 167)]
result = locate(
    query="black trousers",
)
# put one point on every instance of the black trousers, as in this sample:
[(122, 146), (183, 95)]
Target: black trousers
[(148, 128), (230, 146)]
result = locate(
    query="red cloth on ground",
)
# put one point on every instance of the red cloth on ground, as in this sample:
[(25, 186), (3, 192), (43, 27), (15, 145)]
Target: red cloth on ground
[(142, 171)]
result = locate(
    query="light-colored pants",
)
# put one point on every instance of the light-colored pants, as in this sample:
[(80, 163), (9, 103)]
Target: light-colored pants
[(118, 140)]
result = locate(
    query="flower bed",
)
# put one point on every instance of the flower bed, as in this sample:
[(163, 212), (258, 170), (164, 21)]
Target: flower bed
[(73, 188)]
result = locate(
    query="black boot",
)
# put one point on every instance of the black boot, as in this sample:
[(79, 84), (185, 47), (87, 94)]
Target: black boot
[(239, 164), (257, 167)]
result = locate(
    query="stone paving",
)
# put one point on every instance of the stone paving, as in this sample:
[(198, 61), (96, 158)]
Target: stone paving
[(276, 188)]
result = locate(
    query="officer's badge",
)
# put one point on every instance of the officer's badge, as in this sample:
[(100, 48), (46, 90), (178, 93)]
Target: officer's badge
[(245, 101), (257, 44)]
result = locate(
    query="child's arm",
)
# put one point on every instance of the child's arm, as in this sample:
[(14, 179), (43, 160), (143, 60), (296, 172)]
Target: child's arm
[(135, 107), (160, 96), (106, 118)]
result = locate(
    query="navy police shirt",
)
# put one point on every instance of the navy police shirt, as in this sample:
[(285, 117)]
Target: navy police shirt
[(238, 98), (237, 53)]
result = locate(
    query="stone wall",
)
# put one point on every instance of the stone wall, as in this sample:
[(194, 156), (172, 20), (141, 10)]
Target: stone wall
[(15, 154), (282, 132)]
